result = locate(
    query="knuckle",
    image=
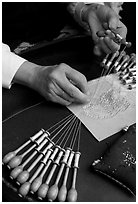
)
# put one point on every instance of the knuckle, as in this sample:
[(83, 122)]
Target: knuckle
[(62, 66)]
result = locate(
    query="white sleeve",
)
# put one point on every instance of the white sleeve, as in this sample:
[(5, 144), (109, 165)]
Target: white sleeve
[(10, 64)]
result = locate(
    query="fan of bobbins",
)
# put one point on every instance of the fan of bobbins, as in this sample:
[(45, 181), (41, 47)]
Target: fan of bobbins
[(120, 62), (48, 154)]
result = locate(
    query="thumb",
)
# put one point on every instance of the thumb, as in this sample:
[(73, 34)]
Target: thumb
[(113, 20)]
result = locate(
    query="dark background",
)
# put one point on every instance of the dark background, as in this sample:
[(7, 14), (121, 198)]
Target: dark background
[(35, 22), (19, 97)]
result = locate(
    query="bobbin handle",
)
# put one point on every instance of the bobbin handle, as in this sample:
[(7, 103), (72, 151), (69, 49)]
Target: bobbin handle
[(66, 156), (76, 160), (59, 157), (38, 134), (47, 156), (41, 145), (70, 159), (48, 147), (54, 153)]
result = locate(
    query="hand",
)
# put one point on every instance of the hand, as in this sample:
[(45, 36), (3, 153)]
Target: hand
[(96, 17), (58, 83)]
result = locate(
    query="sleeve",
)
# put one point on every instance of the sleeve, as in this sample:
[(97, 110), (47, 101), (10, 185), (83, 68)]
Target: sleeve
[(10, 64)]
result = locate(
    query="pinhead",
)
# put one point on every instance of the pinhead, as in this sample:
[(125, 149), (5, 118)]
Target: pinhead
[(62, 193), (22, 177), (52, 193), (72, 195), (24, 189), (8, 157), (42, 191)]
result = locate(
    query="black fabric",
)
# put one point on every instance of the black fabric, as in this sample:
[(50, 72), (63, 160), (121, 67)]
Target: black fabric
[(119, 161), (90, 186), (32, 21)]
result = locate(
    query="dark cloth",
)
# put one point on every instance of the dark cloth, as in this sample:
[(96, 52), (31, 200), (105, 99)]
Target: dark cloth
[(33, 21)]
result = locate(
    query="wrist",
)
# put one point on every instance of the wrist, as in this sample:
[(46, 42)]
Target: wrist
[(26, 73)]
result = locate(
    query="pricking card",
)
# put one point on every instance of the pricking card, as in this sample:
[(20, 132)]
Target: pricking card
[(112, 107)]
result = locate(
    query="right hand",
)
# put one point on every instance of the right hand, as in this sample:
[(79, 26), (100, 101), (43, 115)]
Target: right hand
[(58, 83), (61, 84)]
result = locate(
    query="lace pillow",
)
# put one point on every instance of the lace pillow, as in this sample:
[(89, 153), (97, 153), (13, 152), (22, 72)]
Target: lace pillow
[(119, 162)]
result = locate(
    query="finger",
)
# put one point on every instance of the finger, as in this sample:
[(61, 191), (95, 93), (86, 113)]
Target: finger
[(113, 20), (73, 91), (60, 92), (78, 79), (111, 44), (104, 46), (57, 99), (97, 50), (122, 30)]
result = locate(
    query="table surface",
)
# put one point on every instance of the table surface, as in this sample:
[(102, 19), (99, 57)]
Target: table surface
[(20, 121)]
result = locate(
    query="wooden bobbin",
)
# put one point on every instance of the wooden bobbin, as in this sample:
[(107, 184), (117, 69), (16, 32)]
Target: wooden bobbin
[(118, 68), (43, 189), (72, 193), (63, 190), (121, 55), (38, 181), (129, 81), (31, 156), (107, 66), (24, 189), (23, 176), (132, 69), (53, 190), (16, 161), (104, 61), (11, 155)]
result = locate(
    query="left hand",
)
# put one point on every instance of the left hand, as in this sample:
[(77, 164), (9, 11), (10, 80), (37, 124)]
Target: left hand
[(96, 17)]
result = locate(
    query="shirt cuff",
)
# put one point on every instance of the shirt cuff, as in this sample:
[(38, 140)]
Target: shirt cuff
[(10, 64)]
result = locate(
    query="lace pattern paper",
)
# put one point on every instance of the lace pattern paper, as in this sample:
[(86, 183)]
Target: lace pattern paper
[(112, 106)]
